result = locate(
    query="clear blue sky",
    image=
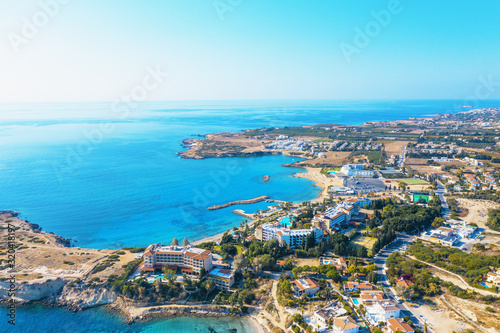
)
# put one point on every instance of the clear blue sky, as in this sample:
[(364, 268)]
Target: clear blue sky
[(98, 50)]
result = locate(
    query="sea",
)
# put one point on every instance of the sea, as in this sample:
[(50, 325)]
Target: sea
[(108, 176)]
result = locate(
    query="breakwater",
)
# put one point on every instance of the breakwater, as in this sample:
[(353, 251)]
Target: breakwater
[(240, 202)]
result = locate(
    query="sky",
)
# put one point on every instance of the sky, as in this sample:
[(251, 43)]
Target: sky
[(75, 50)]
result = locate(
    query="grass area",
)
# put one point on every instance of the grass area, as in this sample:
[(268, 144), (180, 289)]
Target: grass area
[(323, 140), (361, 240), (414, 181), (239, 248)]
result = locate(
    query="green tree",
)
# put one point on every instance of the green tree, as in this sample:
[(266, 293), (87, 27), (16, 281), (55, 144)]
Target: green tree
[(362, 252), (372, 277), (240, 262)]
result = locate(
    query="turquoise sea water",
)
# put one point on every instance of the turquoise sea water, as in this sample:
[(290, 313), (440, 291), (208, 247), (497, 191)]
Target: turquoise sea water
[(39, 319), (107, 179)]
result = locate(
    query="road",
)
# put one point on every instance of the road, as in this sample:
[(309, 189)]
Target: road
[(402, 158), (441, 190), (380, 260)]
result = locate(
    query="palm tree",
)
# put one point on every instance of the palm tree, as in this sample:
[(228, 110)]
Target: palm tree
[(175, 241), (185, 241)]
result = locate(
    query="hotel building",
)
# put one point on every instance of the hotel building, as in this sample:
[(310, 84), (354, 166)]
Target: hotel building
[(285, 236), (189, 259)]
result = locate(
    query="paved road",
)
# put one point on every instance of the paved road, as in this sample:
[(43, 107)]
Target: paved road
[(441, 190), (380, 260), (402, 158)]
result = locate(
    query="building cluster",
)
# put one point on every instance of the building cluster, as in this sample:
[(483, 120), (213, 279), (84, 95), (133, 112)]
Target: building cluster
[(333, 218), (288, 144), (474, 180), (379, 308), (356, 170), (187, 260)]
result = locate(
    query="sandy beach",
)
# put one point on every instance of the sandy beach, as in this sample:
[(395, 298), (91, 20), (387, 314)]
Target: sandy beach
[(319, 179)]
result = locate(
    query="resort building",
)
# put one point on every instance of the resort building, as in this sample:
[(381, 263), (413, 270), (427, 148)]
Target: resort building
[(286, 236), (382, 312), (307, 287), (295, 237), (345, 325), (223, 278), (190, 260), (399, 325), (332, 219), (360, 202), (356, 170)]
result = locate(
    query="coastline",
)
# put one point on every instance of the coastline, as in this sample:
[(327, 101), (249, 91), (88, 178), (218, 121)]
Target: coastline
[(131, 313), (315, 175)]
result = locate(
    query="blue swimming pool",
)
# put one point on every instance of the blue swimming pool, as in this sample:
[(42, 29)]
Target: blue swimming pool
[(286, 221), (355, 301), (484, 284)]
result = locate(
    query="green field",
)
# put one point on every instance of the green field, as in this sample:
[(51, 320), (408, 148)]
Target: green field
[(238, 248), (417, 197), (367, 242), (414, 181)]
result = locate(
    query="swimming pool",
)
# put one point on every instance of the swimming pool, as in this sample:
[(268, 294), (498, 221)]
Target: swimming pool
[(287, 221), (484, 284), (355, 301), (157, 277)]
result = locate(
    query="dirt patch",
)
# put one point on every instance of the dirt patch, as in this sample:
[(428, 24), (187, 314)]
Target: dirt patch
[(333, 158), (395, 147), (440, 318), (41, 256), (416, 161)]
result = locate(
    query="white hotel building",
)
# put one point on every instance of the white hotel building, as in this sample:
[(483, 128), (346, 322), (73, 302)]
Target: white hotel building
[(285, 236)]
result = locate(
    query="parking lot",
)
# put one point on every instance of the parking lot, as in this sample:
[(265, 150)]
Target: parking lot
[(365, 185)]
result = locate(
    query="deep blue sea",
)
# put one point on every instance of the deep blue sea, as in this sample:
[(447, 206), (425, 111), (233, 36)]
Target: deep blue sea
[(109, 179)]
